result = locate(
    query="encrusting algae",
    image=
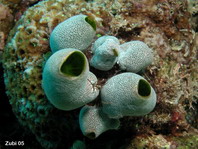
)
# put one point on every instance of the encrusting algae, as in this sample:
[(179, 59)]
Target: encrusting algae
[(164, 25)]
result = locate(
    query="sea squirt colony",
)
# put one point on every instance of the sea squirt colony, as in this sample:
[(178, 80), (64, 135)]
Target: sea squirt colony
[(68, 83)]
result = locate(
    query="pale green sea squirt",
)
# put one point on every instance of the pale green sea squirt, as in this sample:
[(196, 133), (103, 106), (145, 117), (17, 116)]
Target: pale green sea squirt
[(75, 32), (67, 81), (105, 50), (127, 94), (93, 121), (101, 40), (135, 56)]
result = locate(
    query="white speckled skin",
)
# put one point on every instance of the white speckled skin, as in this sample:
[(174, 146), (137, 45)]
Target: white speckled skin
[(101, 40), (135, 56), (74, 32), (66, 92), (120, 97), (93, 120), (105, 50)]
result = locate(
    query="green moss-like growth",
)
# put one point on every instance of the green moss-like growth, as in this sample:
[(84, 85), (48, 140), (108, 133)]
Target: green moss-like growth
[(74, 64), (144, 88), (91, 22)]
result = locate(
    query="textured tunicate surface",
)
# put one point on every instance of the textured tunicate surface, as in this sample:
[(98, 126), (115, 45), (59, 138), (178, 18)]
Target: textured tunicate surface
[(67, 81), (121, 97), (74, 32), (101, 41), (105, 55), (135, 56), (93, 122)]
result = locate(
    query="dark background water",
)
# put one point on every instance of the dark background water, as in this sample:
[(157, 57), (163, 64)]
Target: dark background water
[(10, 130)]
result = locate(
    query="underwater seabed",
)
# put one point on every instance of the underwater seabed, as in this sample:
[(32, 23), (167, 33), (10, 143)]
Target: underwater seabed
[(168, 27)]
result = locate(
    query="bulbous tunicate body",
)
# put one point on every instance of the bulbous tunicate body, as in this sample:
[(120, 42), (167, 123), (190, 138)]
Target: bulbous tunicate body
[(127, 94), (135, 56), (76, 32), (67, 82), (106, 53), (101, 40), (93, 121)]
